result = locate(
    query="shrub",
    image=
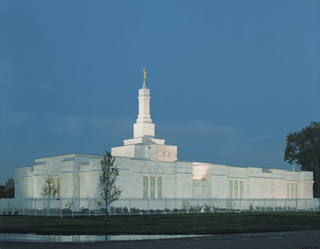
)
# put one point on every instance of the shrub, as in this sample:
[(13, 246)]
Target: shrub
[(193, 209), (16, 212), (3, 212), (134, 210), (125, 210), (159, 211), (66, 211), (257, 207), (175, 210), (206, 208), (166, 210), (230, 205), (9, 213), (117, 210)]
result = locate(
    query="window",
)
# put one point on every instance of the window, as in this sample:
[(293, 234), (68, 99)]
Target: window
[(159, 187), (58, 187), (54, 186), (99, 204), (50, 188), (145, 187), (236, 189), (230, 189), (292, 190), (153, 187)]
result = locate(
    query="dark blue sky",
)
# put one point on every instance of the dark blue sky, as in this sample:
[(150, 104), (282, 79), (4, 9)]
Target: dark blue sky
[(228, 79)]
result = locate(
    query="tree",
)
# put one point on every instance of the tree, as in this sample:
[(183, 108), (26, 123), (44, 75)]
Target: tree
[(303, 148), (3, 191), (7, 190), (9, 184), (48, 189), (110, 192)]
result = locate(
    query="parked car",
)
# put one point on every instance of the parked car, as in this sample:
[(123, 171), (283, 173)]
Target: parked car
[(85, 211), (100, 211)]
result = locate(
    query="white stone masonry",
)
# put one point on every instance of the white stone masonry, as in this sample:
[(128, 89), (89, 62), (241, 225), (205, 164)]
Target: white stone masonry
[(144, 144), (144, 126)]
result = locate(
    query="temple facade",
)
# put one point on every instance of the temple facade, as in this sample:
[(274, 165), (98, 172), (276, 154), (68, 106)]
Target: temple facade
[(150, 169)]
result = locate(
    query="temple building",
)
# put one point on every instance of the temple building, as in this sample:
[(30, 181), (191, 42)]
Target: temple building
[(150, 169)]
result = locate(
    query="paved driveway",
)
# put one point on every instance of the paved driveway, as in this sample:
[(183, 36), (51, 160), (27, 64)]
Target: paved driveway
[(283, 240)]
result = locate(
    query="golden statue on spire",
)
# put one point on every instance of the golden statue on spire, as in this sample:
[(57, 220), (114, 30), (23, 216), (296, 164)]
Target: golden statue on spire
[(144, 76)]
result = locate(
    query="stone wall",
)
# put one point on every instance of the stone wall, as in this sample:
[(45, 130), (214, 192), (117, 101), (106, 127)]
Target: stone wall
[(79, 177)]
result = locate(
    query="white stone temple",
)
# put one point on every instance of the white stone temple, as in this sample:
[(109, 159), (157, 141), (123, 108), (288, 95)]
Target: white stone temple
[(150, 169)]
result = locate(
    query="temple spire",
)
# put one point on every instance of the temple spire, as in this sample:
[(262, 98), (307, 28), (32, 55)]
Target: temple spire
[(144, 126)]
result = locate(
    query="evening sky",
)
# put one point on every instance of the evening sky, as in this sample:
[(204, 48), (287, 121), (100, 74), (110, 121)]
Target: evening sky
[(228, 79)]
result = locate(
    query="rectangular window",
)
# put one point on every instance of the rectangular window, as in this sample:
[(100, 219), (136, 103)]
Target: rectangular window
[(54, 185), (145, 187), (99, 204), (292, 190), (50, 188), (296, 190), (159, 187), (241, 189), (288, 190), (236, 189), (58, 187), (230, 189), (153, 187)]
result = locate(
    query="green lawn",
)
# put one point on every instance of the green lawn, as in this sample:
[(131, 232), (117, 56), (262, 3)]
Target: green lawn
[(163, 224)]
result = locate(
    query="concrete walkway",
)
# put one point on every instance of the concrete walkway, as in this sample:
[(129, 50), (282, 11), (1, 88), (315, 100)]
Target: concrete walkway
[(281, 240)]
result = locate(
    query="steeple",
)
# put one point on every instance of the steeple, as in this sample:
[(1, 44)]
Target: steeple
[(144, 126), (144, 144)]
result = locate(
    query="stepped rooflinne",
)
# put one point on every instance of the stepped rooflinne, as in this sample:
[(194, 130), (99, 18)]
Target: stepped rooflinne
[(150, 169)]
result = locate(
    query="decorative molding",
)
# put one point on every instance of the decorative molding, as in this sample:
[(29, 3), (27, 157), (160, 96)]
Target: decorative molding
[(152, 170), (236, 175)]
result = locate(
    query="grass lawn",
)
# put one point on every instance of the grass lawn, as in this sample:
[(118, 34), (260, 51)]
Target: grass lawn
[(163, 224)]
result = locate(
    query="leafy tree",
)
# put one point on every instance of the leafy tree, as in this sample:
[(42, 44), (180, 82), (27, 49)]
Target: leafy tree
[(110, 192), (3, 191), (9, 184), (303, 148), (48, 190)]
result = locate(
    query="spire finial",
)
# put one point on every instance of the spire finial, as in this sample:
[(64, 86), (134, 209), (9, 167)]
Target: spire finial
[(144, 77)]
